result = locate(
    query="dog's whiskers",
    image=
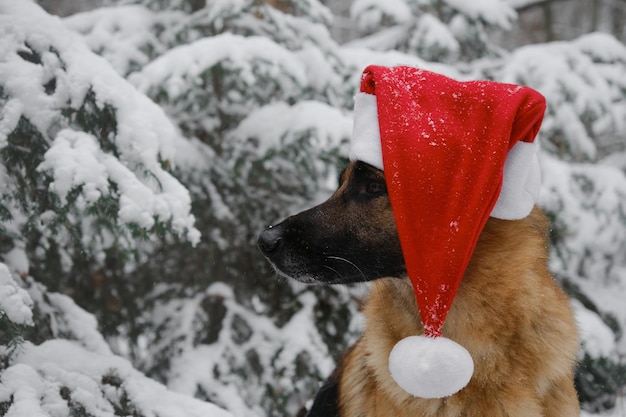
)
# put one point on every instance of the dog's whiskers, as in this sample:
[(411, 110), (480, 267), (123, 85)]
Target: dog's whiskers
[(334, 270), (339, 258)]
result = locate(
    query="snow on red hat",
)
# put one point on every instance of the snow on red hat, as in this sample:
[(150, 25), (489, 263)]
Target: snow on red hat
[(454, 153)]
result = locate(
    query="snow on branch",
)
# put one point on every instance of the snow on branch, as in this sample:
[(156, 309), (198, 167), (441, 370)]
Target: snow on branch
[(173, 71), (15, 303), (583, 81), (494, 12), (123, 35), (60, 377), (68, 114)]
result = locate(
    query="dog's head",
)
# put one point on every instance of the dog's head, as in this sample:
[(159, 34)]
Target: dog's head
[(349, 238)]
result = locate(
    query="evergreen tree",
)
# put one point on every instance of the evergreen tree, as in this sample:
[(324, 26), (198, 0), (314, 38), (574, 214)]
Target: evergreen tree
[(435, 30), (84, 182), (260, 94)]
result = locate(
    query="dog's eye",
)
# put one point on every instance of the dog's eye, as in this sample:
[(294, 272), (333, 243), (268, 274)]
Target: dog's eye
[(375, 187)]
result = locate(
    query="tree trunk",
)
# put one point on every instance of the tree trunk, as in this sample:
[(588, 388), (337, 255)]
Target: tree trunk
[(618, 19), (595, 14), (548, 21)]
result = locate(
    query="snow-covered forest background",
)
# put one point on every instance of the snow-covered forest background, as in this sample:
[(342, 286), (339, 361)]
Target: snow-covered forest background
[(144, 144)]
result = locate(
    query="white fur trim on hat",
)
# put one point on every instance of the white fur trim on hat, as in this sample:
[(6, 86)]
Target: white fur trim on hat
[(521, 183), (521, 179), (365, 144)]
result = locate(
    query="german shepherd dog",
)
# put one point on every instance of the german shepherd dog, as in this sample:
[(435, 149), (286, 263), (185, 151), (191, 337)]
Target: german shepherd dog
[(508, 312)]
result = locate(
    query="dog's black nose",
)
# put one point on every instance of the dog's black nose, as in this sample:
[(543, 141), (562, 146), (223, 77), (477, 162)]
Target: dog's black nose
[(270, 240)]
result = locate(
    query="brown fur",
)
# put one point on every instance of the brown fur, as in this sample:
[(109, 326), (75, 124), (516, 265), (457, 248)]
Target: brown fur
[(509, 314)]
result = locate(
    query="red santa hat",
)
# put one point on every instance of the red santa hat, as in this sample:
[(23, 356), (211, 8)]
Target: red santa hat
[(454, 154)]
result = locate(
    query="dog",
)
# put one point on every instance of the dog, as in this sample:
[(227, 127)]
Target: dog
[(508, 312)]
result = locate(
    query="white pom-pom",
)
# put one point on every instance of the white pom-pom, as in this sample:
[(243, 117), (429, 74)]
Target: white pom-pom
[(430, 367)]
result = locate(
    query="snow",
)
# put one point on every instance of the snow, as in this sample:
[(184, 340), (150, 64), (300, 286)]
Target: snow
[(121, 33), (83, 324), (15, 302), (171, 69), (495, 12), (369, 13), (358, 57), (583, 94), (602, 47), (591, 205), (427, 34), (597, 338), (198, 365), (75, 159), (431, 33), (41, 379), (144, 135), (330, 125), (17, 261)]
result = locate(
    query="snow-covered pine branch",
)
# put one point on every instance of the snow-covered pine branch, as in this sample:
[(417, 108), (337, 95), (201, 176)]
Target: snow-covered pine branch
[(86, 157)]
